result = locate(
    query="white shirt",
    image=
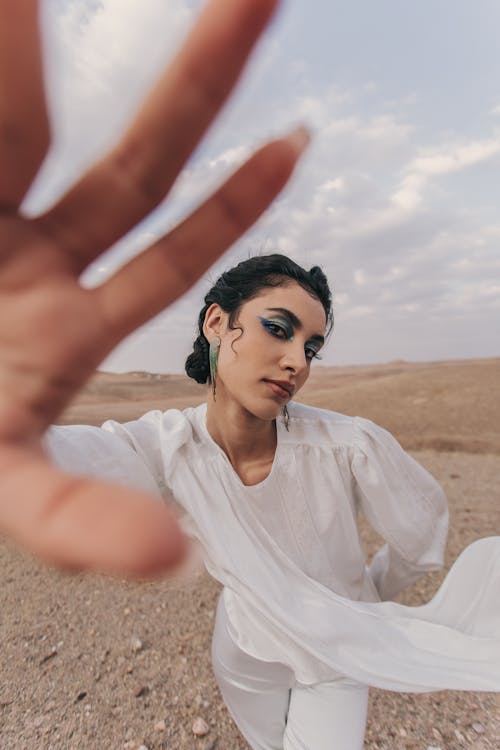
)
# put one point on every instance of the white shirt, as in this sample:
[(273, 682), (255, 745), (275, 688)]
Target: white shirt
[(288, 549)]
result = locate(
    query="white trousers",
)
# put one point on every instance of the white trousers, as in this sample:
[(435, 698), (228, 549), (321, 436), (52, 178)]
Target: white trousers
[(275, 712)]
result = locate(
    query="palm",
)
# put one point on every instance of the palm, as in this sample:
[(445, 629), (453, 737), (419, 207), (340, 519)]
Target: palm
[(53, 332)]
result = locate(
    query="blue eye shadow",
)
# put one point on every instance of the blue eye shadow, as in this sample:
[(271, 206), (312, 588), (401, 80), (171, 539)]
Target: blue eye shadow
[(282, 323)]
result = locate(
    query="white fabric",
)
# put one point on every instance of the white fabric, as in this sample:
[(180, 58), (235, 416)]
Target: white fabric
[(275, 712), (289, 554)]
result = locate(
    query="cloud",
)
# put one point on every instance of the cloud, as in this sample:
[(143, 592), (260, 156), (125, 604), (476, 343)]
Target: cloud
[(453, 158), (100, 59), (383, 200)]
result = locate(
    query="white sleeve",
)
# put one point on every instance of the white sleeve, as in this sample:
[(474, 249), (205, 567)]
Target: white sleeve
[(128, 454), (404, 504)]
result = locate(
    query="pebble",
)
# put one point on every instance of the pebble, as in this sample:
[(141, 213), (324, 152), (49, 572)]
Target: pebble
[(136, 645), (402, 732), (50, 655), (459, 736), (200, 727), (160, 726), (478, 728), (433, 747)]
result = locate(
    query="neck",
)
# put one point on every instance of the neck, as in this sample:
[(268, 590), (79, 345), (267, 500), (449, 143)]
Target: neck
[(243, 437)]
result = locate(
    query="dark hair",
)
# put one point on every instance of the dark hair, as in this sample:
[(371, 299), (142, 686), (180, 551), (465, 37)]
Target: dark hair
[(244, 282)]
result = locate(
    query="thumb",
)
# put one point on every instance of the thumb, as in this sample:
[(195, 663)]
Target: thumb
[(80, 523)]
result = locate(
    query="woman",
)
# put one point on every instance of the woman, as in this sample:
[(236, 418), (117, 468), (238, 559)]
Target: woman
[(272, 490)]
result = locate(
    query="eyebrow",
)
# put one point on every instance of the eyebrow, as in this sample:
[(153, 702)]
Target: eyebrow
[(295, 321)]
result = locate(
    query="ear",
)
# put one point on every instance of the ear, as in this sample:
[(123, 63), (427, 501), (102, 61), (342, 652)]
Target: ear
[(215, 322)]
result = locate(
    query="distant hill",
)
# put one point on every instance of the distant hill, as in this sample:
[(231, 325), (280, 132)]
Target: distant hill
[(440, 405)]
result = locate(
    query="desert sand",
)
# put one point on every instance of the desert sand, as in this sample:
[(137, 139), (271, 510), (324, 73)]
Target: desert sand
[(88, 663)]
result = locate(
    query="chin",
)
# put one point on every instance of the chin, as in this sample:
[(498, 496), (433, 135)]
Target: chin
[(267, 412)]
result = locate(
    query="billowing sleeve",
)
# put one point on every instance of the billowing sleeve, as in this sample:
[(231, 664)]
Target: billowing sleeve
[(404, 504), (131, 454)]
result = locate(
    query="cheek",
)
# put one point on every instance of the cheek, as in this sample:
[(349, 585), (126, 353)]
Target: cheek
[(246, 349), (304, 378), (234, 355)]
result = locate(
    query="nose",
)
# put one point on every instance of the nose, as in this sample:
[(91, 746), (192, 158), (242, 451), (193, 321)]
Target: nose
[(294, 357)]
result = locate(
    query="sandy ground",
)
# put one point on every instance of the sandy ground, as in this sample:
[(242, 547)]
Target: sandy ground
[(87, 663)]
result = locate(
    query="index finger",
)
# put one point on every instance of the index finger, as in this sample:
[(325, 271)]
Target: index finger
[(139, 172)]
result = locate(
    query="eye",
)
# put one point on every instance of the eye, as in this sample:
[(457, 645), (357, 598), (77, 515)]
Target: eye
[(311, 353), (276, 329)]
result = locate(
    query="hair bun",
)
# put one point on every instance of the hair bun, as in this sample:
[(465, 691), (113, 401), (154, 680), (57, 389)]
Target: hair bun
[(197, 364)]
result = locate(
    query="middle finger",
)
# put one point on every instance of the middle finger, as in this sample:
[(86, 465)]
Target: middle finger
[(136, 175)]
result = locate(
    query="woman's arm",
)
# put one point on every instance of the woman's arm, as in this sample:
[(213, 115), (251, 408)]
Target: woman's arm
[(404, 504), (99, 453)]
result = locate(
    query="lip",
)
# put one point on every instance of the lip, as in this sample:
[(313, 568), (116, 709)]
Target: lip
[(281, 388)]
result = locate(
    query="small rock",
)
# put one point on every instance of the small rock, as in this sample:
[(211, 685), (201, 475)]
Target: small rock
[(143, 747), (81, 695), (140, 691), (402, 732), (200, 727), (50, 655), (136, 645), (160, 726), (478, 728), (433, 747)]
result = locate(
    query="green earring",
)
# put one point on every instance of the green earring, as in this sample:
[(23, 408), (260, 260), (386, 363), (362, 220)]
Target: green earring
[(213, 356)]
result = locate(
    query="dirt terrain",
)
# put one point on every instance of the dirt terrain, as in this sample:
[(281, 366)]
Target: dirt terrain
[(90, 664)]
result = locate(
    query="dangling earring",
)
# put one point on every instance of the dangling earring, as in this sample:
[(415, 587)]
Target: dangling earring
[(213, 356), (286, 418)]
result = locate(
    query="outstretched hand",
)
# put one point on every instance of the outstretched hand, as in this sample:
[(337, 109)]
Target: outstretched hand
[(54, 332)]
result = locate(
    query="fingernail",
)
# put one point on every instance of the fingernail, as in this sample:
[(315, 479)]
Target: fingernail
[(299, 139)]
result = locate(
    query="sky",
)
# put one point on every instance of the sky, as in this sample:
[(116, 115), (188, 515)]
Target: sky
[(397, 199)]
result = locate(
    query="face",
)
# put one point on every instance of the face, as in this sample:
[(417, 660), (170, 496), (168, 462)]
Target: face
[(264, 367)]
